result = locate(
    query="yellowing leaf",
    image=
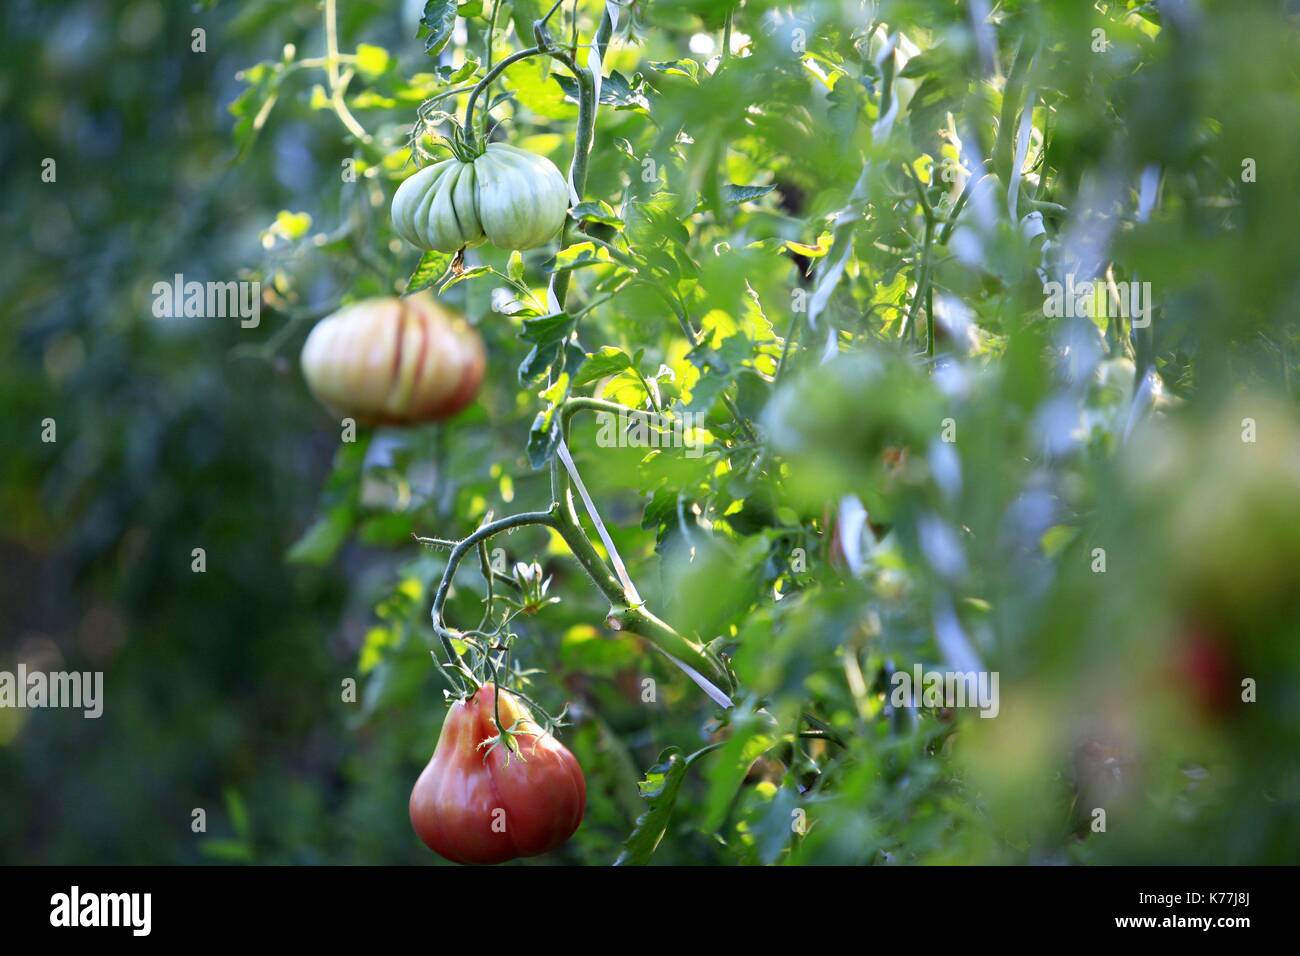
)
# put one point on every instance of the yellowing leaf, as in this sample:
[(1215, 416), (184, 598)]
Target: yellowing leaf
[(812, 252), (371, 60)]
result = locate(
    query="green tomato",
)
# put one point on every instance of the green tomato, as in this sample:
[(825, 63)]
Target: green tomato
[(513, 198)]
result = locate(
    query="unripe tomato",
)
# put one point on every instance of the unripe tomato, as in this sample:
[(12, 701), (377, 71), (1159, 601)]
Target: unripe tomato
[(394, 361), (486, 804), (513, 198)]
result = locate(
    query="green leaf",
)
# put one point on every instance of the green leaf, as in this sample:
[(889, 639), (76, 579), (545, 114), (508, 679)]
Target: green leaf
[(772, 830), (458, 74), (683, 67), (651, 221), (557, 391), (747, 743), (608, 361), (542, 438), (253, 106), (238, 811), (431, 267), (537, 361), (522, 14), (547, 329), (598, 211), (581, 254), (515, 267), (733, 194), (322, 540), (615, 90), (660, 787), (436, 25), (473, 273)]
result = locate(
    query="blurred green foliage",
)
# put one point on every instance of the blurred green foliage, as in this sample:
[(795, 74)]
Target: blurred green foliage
[(909, 462)]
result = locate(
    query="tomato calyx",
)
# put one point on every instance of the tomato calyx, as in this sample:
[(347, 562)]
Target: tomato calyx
[(508, 738)]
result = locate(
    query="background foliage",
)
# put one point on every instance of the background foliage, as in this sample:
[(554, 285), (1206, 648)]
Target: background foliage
[(773, 168)]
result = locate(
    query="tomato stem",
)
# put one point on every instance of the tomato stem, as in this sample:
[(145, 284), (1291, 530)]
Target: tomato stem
[(627, 615)]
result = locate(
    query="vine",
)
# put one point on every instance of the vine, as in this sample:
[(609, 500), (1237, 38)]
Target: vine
[(627, 612)]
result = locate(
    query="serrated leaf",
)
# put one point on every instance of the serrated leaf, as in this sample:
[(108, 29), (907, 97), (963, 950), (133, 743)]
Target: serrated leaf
[(439, 19), (615, 90), (733, 194), (608, 361), (431, 267), (683, 67), (581, 254), (537, 361), (473, 273), (598, 211), (458, 74), (557, 391), (546, 329), (651, 221), (542, 438), (660, 787)]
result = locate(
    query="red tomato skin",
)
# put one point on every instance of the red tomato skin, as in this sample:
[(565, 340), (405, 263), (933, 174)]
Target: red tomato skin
[(472, 806), (1205, 668)]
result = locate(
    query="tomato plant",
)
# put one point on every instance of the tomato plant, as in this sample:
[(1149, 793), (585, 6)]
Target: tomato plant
[(819, 382)]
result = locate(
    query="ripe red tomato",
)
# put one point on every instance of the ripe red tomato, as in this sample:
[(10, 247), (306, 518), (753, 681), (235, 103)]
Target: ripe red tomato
[(473, 804)]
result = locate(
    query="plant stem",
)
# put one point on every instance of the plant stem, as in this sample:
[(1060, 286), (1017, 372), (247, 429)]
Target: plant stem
[(563, 516), (492, 74), (923, 277), (491, 34), (791, 333), (337, 85), (582, 140), (458, 552), (951, 223)]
